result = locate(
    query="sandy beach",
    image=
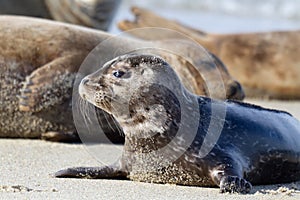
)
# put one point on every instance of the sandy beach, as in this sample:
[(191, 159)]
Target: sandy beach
[(27, 168)]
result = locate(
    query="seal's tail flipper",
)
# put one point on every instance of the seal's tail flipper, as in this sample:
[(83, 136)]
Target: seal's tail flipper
[(145, 18), (91, 173)]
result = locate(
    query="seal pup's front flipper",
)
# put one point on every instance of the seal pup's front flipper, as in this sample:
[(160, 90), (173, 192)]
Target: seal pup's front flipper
[(229, 176), (113, 172), (48, 85), (234, 184)]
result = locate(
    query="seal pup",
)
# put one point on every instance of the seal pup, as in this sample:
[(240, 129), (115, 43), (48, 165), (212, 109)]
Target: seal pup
[(265, 63), (39, 60), (256, 145)]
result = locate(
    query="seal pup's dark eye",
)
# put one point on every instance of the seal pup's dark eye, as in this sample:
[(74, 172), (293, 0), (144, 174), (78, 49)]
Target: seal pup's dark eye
[(118, 73)]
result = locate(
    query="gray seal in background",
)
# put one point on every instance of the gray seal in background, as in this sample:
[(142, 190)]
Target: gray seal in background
[(92, 13)]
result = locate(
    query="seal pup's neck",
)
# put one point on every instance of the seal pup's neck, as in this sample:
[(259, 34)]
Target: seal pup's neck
[(152, 120)]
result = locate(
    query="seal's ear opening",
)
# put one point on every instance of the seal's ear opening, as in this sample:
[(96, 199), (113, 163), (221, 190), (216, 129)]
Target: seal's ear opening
[(235, 91)]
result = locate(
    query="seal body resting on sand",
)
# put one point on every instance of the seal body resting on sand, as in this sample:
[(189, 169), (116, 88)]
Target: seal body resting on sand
[(39, 60), (256, 145)]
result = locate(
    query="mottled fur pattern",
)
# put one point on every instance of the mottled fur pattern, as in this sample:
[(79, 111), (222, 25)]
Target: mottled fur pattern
[(38, 64)]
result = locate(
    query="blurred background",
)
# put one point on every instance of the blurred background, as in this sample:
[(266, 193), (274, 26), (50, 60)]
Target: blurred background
[(212, 16), (221, 16)]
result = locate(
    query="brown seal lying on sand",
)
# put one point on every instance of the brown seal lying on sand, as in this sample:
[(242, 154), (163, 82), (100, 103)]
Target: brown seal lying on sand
[(266, 64), (39, 60), (165, 135), (93, 13)]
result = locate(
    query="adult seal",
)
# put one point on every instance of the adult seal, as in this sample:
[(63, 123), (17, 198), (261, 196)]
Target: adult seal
[(256, 145), (39, 60)]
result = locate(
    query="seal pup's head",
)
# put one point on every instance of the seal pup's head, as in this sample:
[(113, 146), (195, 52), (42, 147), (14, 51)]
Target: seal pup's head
[(136, 89)]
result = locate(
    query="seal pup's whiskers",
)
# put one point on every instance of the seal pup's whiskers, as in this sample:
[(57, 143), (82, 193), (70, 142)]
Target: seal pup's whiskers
[(117, 125), (83, 109), (108, 122), (110, 105)]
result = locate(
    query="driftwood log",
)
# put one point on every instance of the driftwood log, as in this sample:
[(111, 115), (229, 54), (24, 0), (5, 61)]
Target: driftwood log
[(267, 64)]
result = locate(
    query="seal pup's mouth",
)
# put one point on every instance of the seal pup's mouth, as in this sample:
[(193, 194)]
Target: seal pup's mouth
[(96, 94)]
